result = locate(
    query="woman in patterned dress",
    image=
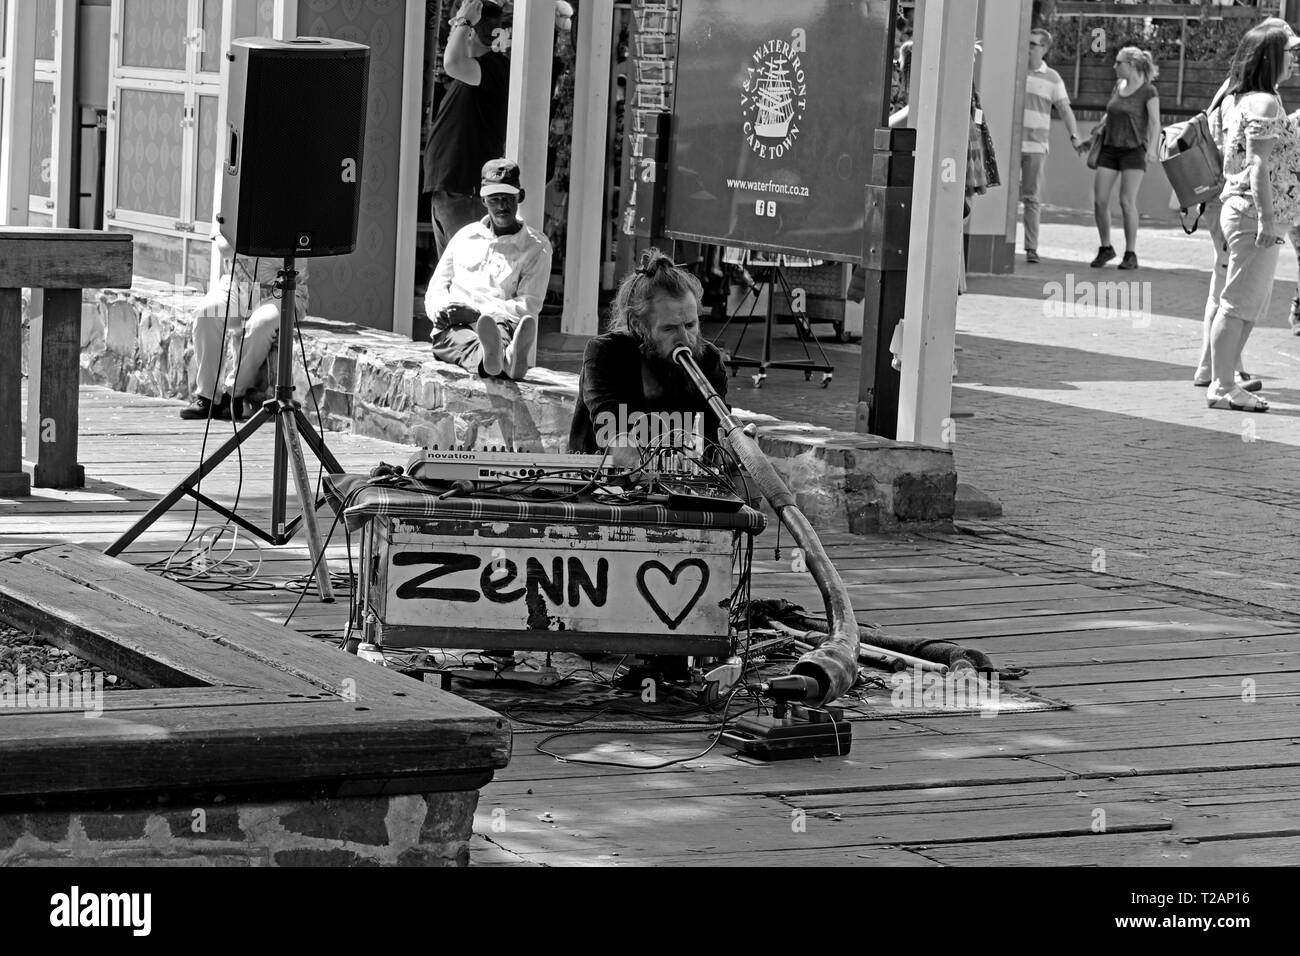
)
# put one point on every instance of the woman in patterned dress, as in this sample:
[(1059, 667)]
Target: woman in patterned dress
[(1261, 201)]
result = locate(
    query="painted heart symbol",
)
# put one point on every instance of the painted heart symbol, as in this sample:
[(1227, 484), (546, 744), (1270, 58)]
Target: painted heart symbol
[(672, 577)]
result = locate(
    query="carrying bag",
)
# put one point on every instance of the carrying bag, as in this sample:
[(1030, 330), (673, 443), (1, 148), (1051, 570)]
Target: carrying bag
[(1193, 164), (1098, 136)]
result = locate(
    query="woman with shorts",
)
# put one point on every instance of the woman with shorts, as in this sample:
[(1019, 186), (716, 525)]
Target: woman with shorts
[(1261, 201), (1129, 136)]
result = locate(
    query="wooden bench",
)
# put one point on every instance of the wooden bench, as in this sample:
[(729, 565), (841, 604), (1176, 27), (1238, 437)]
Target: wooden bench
[(62, 262), (233, 705)]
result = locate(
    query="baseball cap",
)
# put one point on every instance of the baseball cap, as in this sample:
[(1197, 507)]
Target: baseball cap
[(500, 178)]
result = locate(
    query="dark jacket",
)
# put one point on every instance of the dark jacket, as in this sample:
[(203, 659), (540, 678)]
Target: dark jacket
[(614, 374)]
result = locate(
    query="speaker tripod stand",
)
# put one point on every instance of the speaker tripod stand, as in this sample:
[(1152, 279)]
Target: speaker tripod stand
[(292, 428), (776, 276)]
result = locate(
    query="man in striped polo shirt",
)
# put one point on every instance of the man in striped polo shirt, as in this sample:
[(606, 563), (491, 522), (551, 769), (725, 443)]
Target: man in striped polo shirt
[(1044, 89)]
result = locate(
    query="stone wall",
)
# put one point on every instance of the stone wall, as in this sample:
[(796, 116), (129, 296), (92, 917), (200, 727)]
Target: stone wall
[(408, 830), (379, 384)]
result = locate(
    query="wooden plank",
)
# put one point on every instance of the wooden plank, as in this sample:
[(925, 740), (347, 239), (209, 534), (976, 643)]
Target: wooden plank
[(13, 480), (258, 643), (53, 376), (1263, 684), (1092, 675), (882, 601), (251, 744), (887, 617), (1193, 624), (1176, 790), (1181, 757), (1155, 849), (881, 575), (65, 258), (947, 588), (122, 639), (820, 857), (1118, 653), (531, 827), (113, 701)]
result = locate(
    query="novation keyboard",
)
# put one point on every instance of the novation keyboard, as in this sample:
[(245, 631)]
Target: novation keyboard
[(493, 466)]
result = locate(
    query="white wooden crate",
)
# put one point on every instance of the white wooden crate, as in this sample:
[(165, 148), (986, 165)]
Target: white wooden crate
[(433, 582)]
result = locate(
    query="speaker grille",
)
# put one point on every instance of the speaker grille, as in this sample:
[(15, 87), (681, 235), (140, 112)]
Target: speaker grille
[(297, 186)]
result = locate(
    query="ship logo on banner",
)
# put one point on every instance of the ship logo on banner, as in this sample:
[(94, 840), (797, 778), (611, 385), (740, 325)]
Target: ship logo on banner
[(774, 95)]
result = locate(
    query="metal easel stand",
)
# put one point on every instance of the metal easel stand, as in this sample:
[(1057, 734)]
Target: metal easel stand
[(776, 276), (291, 425)]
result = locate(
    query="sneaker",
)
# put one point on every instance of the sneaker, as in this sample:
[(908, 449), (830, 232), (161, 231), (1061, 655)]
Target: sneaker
[(489, 336), (1104, 255), (1031, 255), (240, 410), (202, 408), (521, 347), (1130, 261)]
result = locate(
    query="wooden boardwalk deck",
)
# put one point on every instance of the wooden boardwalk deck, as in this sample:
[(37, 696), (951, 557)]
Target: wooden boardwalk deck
[(1181, 744)]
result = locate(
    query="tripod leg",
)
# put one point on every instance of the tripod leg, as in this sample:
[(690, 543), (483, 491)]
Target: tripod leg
[(188, 483), (316, 442), (804, 326), (315, 545)]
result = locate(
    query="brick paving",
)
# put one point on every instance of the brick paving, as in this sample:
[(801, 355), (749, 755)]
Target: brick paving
[(1090, 434)]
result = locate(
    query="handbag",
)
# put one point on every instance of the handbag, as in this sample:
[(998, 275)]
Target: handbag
[(990, 159), (991, 176), (976, 178), (1193, 163), (1095, 143)]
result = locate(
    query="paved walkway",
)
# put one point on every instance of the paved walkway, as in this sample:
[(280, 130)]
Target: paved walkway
[(1089, 433)]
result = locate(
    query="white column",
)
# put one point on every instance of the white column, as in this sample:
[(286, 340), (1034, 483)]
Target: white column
[(587, 169), (67, 115), (16, 136), (408, 171), (284, 19), (944, 62), (532, 46), (1004, 33)]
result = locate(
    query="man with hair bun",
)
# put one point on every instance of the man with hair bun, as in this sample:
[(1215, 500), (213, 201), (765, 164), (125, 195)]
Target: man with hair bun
[(630, 369)]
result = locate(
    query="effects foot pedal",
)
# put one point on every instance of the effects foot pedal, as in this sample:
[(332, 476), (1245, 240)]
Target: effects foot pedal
[(481, 673), (791, 737)]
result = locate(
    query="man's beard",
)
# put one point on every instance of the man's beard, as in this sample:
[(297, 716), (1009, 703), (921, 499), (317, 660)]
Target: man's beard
[(650, 351), (667, 372)]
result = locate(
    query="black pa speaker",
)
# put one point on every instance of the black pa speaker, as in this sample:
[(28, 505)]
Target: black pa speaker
[(292, 177)]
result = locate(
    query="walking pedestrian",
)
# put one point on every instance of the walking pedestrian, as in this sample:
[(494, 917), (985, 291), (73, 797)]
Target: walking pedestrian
[(1044, 89), (1129, 131), (470, 127), (1261, 200), (1219, 107)]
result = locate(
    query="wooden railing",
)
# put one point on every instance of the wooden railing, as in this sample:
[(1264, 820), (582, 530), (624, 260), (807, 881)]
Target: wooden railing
[(62, 262), (1186, 95)]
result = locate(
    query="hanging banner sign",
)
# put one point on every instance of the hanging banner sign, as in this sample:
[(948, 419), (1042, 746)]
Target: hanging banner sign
[(775, 109)]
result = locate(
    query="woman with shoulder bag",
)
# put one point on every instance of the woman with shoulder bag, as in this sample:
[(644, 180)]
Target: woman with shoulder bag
[(1220, 106), (1130, 131), (1261, 200)]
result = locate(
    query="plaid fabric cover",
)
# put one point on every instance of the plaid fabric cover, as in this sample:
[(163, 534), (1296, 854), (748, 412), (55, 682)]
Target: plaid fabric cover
[(361, 500)]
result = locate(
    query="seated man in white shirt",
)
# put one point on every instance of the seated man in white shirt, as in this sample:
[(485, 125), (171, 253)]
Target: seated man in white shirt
[(485, 295), (250, 315)]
